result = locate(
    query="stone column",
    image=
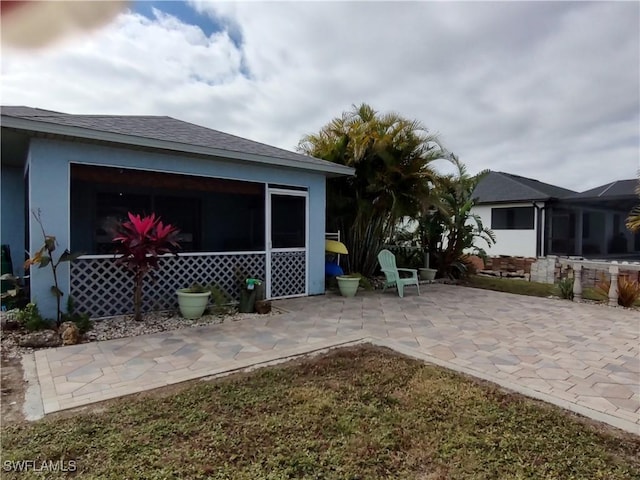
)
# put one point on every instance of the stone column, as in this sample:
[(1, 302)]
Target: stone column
[(577, 281), (613, 289)]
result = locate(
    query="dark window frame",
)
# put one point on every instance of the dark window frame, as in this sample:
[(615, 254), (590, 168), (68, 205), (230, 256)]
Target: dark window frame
[(513, 218), (238, 206)]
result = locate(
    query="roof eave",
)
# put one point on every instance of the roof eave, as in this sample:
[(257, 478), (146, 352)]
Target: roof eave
[(117, 138), (601, 198), (502, 202)]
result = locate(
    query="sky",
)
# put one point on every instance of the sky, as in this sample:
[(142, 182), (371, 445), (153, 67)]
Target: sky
[(547, 90)]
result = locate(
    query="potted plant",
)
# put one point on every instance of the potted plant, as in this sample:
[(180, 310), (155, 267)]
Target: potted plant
[(348, 284), (193, 301), (428, 274)]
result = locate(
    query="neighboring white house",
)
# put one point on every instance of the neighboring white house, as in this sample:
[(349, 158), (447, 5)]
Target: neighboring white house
[(515, 226), (531, 218)]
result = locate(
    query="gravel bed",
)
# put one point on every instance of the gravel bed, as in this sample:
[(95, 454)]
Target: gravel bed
[(125, 326)]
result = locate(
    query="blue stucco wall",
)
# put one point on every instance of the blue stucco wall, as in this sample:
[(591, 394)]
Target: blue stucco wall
[(12, 226), (49, 191)]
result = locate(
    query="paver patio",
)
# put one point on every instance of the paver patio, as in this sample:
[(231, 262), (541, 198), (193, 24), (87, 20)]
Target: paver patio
[(580, 356)]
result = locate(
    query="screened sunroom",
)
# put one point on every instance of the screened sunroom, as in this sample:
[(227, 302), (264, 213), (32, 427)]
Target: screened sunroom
[(244, 209)]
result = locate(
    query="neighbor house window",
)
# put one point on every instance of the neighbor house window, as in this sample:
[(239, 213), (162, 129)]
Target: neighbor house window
[(514, 218)]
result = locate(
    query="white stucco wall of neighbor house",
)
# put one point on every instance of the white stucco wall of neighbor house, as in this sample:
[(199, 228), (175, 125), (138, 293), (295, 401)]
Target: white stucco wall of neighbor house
[(509, 242)]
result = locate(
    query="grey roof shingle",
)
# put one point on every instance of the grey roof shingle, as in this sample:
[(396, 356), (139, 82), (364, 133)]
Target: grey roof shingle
[(19, 111), (500, 187), (164, 129), (617, 189)]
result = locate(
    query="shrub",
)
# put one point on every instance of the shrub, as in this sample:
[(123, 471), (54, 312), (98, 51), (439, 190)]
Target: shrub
[(565, 288), (602, 287), (628, 290), (17, 296), (220, 299), (365, 282), (82, 320), (44, 256), (31, 319)]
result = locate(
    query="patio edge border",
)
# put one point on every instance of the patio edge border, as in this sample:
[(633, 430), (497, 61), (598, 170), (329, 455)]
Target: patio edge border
[(612, 420), (32, 409), (36, 408)]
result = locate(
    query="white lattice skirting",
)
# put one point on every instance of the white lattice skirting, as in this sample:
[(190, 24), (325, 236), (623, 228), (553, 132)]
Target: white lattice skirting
[(101, 288), (288, 274)]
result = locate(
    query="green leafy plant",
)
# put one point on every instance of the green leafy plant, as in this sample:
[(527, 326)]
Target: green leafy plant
[(391, 156), (82, 320), (196, 288), (140, 241), (220, 299), (30, 318), (633, 220), (17, 296), (364, 281), (565, 288), (44, 257), (407, 256), (451, 231)]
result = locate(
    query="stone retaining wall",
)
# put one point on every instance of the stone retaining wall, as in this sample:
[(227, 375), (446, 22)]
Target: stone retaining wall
[(549, 270), (505, 263), (591, 276), (545, 270)]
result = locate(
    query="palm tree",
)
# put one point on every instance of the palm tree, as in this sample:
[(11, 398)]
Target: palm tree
[(633, 220), (453, 228), (391, 156)]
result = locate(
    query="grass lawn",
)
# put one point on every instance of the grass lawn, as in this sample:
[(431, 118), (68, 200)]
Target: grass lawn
[(521, 287), (357, 413)]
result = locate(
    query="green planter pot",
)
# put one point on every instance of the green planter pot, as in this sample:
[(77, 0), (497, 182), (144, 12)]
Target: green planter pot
[(348, 285), (192, 305)]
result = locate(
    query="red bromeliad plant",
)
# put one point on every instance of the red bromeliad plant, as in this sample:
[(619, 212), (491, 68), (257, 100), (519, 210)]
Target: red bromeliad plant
[(140, 241)]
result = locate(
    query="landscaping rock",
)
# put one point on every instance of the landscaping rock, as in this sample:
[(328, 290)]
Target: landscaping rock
[(9, 320), (42, 339), (263, 307), (490, 273), (14, 346), (69, 333), (476, 261)]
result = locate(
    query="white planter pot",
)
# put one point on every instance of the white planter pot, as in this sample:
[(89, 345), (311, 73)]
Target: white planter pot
[(428, 274), (192, 305)]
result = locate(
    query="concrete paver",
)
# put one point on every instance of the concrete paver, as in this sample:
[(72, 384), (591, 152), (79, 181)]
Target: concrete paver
[(582, 357)]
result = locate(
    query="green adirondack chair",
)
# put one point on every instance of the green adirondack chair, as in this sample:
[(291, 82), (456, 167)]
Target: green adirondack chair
[(392, 273)]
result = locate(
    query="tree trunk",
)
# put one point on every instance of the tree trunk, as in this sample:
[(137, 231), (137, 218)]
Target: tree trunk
[(137, 297)]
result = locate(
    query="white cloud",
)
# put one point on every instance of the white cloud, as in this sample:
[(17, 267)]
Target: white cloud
[(547, 90)]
